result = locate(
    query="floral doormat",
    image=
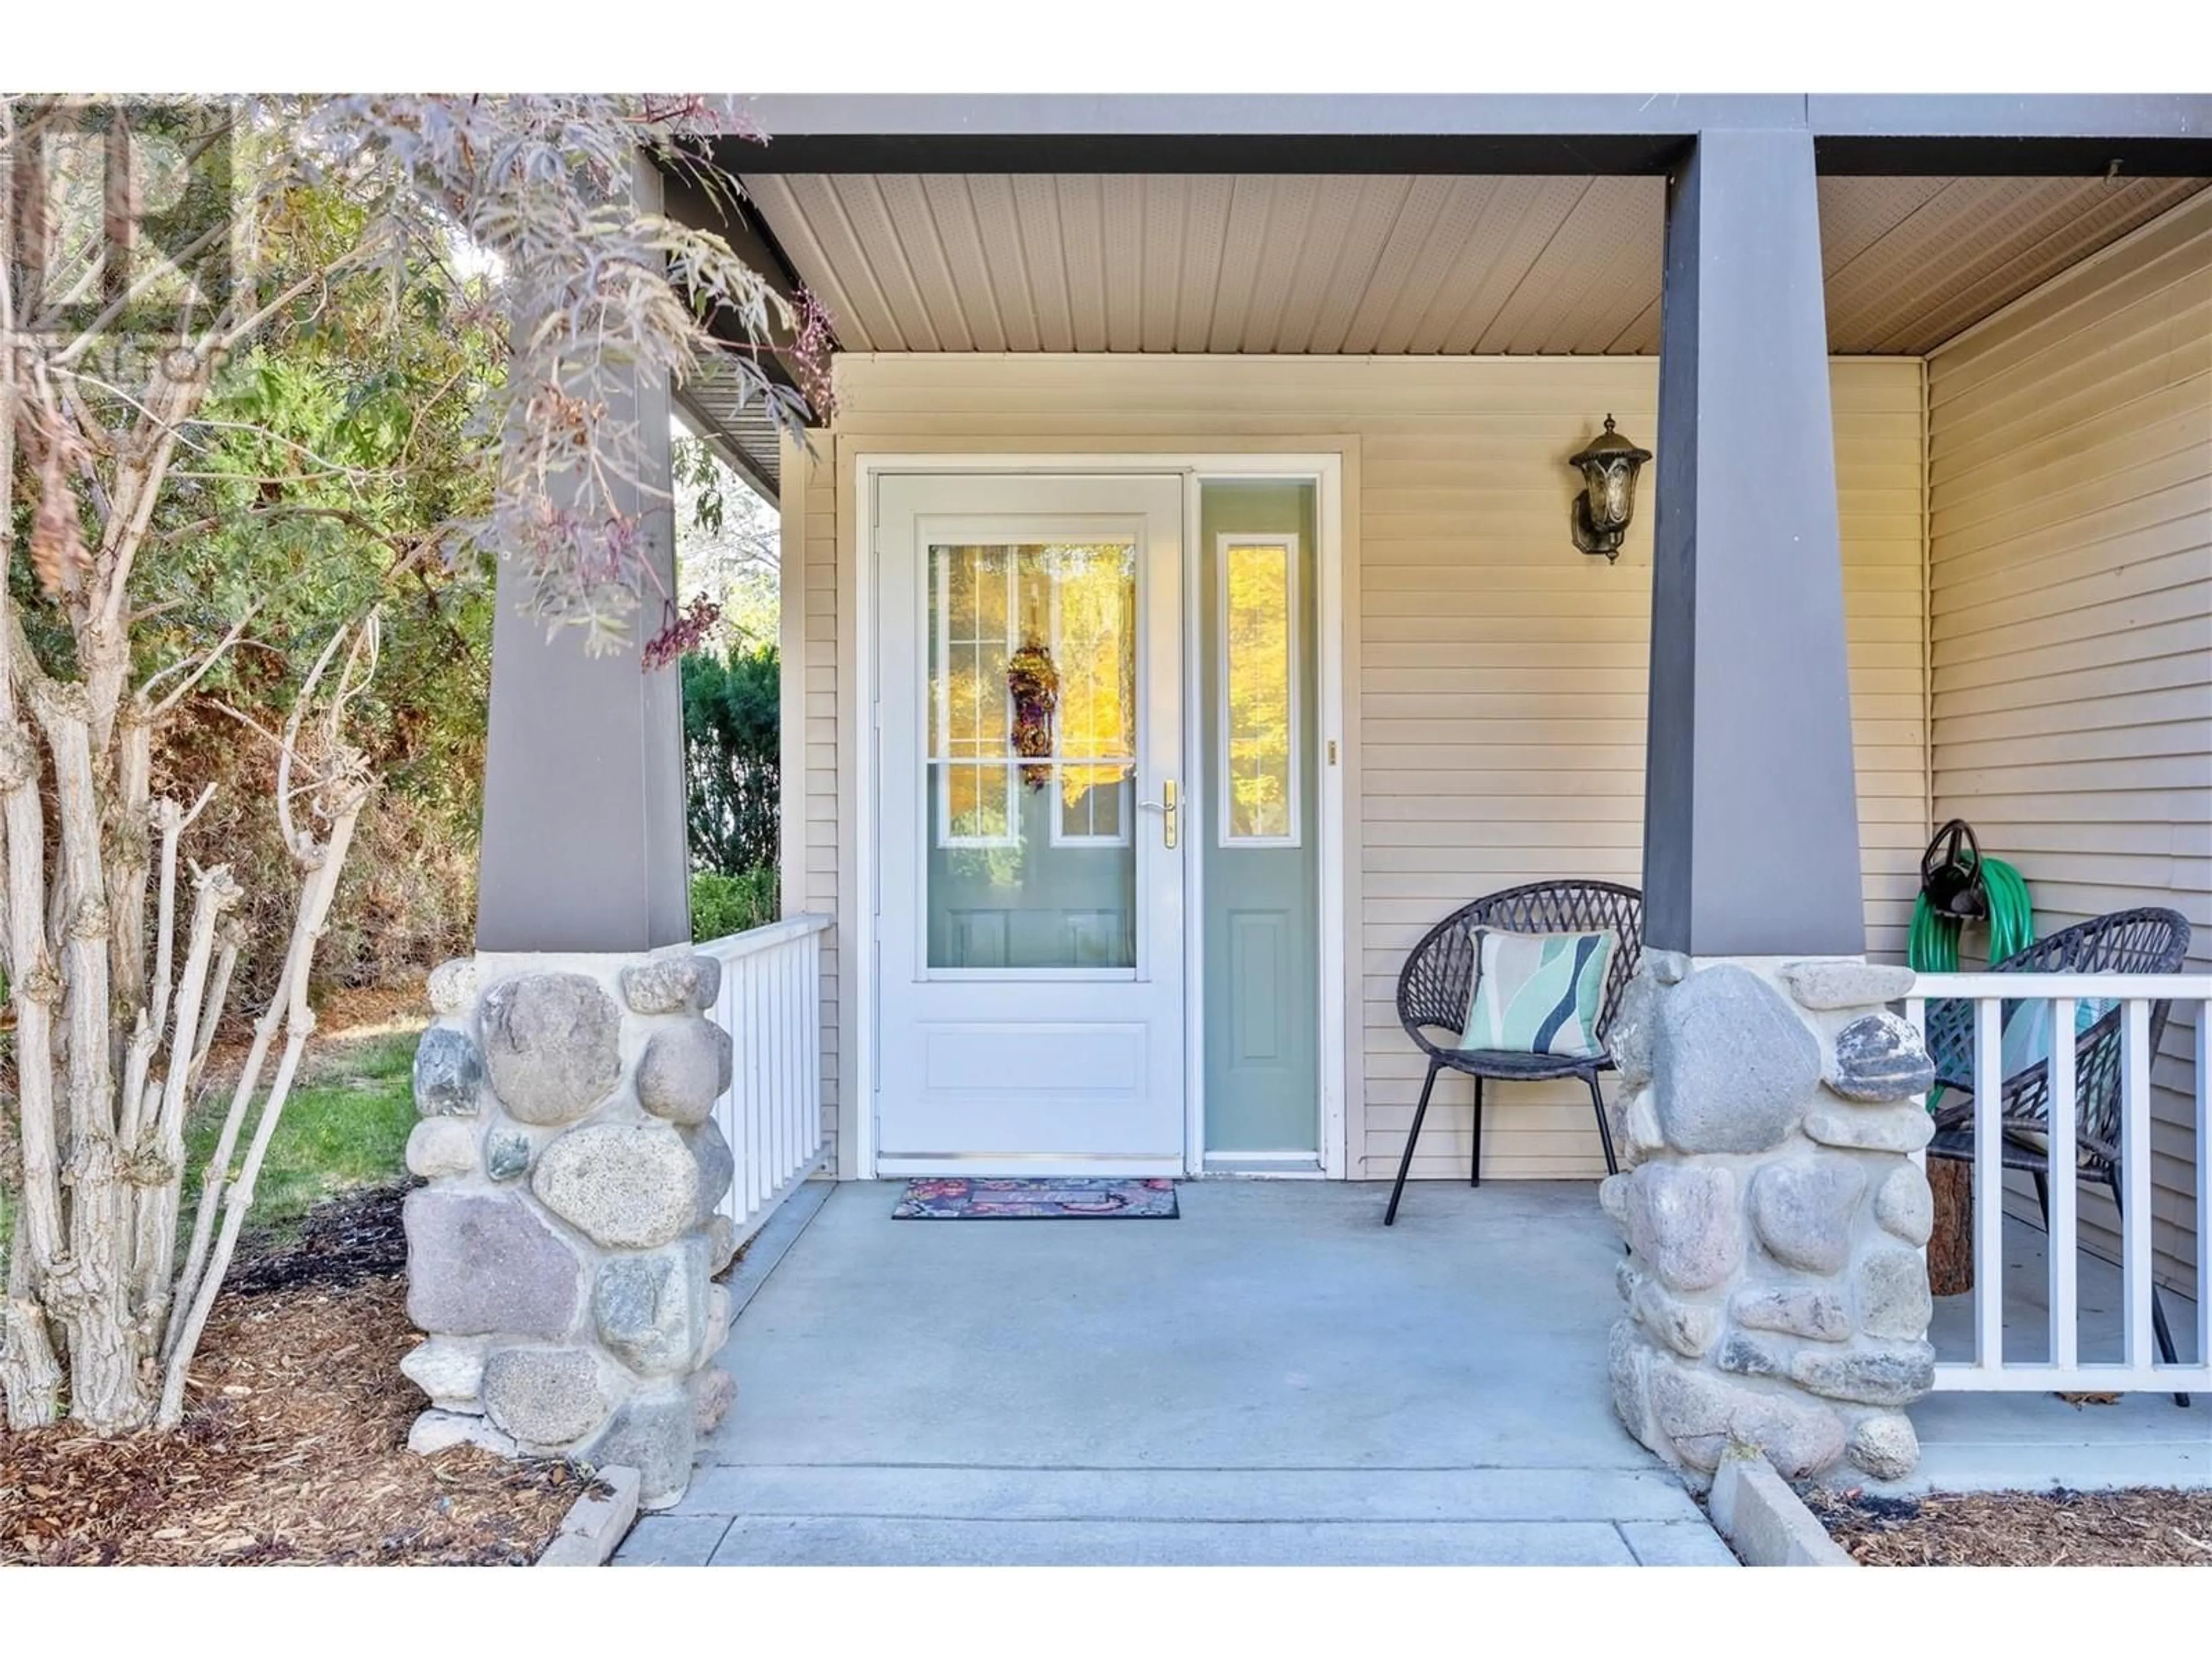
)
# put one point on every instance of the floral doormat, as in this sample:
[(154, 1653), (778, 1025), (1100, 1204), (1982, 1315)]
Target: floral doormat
[(1051, 1198)]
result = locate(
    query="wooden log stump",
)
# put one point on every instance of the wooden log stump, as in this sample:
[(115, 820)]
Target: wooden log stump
[(1951, 1244)]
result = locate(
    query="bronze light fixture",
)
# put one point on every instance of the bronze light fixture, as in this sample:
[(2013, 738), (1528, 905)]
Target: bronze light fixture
[(1602, 511)]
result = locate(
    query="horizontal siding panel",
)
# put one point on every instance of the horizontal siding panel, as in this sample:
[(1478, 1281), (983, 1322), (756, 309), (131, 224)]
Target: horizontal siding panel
[(1502, 677), (2071, 575)]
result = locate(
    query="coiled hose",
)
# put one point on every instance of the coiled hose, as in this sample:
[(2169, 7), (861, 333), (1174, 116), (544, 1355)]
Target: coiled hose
[(1933, 946)]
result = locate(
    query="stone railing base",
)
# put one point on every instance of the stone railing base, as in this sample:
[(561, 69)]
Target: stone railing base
[(562, 1257), (1777, 1297)]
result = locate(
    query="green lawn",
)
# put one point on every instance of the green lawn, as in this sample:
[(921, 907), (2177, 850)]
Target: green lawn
[(345, 1126)]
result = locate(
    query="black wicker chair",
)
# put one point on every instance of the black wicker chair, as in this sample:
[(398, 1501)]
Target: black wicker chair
[(2147, 941), (1439, 977)]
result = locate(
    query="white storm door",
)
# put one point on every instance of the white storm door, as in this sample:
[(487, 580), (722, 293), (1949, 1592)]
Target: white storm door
[(1029, 1001)]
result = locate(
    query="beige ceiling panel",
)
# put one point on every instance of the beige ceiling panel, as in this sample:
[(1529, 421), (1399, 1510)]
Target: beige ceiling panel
[(1447, 230), (1204, 243), (1012, 282), (776, 197), (1123, 196), (1533, 211), (1047, 253), (854, 261), (1370, 264), (1295, 201), (952, 221), (1166, 199), (1083, 225), (928, 259), (1246, 240), (1622, 281)]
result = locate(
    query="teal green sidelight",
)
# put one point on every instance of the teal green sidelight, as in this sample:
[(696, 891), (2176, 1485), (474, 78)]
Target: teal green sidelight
[(1261, 973)]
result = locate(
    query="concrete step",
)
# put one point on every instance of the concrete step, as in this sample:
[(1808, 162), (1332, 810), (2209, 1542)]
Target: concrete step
[(686, 1539), (827, 1540), (1144, 1496)]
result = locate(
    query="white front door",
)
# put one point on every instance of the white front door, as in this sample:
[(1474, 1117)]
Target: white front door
[(1028, 855)]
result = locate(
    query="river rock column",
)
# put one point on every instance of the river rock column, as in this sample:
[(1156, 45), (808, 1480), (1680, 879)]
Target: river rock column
[(563, 1254), (1777, 1296)]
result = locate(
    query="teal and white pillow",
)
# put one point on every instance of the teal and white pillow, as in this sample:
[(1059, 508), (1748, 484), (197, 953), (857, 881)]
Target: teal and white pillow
[(2025, 1042), (2027, 1033), (1538, 994)]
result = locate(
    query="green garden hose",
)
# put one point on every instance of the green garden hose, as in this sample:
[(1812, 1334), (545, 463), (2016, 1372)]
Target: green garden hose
[(1933, 944), (1933, 947)]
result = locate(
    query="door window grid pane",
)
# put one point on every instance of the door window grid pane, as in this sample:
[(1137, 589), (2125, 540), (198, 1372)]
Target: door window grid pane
[(1034, 859), (1094, 740), (1259, 691), (970, 711)]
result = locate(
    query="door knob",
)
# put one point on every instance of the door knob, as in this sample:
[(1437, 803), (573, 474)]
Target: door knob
[(1165, 806)]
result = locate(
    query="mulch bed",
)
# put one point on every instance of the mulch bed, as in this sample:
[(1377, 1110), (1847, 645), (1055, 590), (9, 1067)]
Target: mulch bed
[(294, 1447), (2144, 1527)]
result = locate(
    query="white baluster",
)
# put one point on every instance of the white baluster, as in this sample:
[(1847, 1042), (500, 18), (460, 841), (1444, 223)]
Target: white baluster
[(1989, 1187), (2062, 1240), (2135, 1264)]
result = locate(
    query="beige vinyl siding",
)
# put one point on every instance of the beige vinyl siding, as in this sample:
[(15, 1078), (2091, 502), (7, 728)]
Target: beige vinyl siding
[(1496, 677), (810, 727), (2070, 582)]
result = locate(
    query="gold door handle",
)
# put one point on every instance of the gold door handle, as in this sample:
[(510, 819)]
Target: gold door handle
[(1165, 806)]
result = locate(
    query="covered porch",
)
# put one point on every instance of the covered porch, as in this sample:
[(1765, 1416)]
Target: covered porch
[(1925, 390)]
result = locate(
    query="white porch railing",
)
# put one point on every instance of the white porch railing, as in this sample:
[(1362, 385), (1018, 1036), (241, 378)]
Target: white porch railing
[(771, 1006), (2138, 1369)]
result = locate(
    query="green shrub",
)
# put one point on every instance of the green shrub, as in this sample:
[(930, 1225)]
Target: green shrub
[(722, 905), (732, 730)]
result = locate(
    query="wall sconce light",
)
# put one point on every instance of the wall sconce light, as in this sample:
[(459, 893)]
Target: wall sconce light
[(1602, 511)]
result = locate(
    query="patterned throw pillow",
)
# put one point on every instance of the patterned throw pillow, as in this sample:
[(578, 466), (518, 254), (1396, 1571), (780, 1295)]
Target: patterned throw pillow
[(1538, 994), (2025, 1042)]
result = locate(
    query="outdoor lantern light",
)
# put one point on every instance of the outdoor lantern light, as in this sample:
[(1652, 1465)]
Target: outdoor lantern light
[(1601, 511)]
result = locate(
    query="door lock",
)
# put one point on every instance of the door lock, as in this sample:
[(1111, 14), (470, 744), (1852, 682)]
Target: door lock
[(1165, 806)]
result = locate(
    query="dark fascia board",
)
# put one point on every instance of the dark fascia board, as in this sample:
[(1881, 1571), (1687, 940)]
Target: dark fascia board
[(2164, 134), (2169, 135), (688, 199)]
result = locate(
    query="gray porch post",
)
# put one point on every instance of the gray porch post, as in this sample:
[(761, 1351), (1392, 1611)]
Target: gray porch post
[(1776, 1301), (561, 1256), (1751, 843), (583, 815)]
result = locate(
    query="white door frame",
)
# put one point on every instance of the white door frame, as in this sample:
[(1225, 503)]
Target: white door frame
[(1326, 469)]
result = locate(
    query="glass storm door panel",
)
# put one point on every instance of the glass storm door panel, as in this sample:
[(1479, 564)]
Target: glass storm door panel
[(1030, 767), (1029, 952)]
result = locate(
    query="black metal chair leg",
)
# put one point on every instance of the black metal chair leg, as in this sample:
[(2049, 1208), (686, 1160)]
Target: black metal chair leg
[(2043, 1198), (1604, 1129), (1390, 1215), (1474, 1160), (2157, 1326)]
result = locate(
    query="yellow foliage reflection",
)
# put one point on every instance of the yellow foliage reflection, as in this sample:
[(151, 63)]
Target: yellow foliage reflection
[(1257, 665)]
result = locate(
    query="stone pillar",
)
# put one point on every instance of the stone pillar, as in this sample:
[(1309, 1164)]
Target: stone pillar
[(1777, 1299), (563, 1254)]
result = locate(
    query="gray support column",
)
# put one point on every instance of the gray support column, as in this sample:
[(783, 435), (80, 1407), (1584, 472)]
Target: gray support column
[(1751, 838), (583, 846)]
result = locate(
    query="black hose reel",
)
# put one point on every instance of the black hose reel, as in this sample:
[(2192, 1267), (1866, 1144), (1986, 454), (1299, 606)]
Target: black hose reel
[(1951, 878)]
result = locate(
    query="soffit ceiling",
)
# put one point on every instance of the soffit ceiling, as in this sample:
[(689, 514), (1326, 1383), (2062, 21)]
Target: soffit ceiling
[(1368, 264)]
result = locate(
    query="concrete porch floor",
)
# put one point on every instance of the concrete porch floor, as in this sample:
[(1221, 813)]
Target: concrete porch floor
[(1272, 1379), (1983, 1441)]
